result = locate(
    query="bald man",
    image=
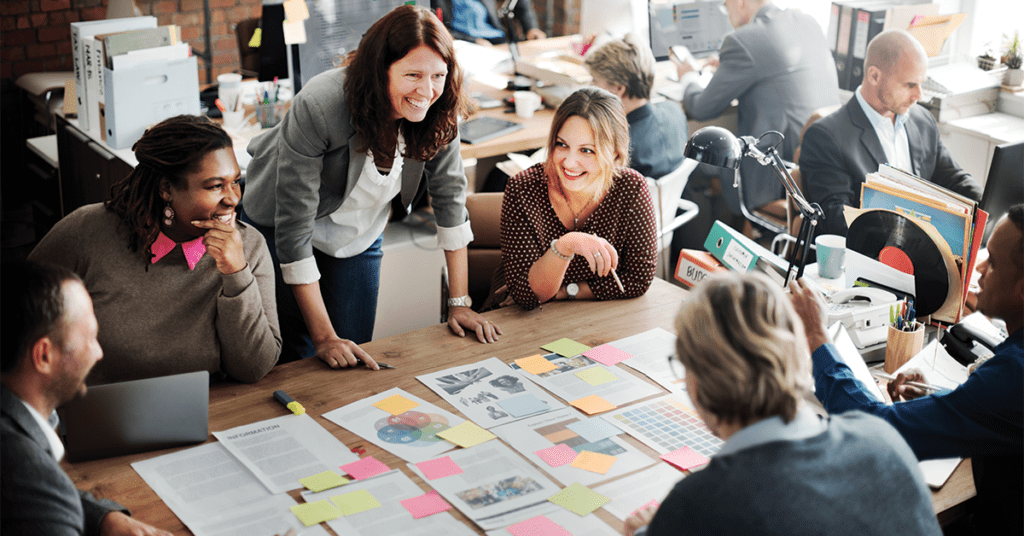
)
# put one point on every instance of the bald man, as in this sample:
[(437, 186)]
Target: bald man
[(881, 124)]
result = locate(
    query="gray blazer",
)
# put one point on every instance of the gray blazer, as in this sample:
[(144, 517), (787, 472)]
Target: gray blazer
[(306, 166), (781, 70), (38, 498), (840, 149)]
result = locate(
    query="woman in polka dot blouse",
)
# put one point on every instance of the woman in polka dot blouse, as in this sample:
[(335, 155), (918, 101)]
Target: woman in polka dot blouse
[(571, 225)]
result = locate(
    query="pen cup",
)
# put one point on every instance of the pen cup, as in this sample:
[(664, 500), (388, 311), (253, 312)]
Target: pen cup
[(233, 120), (269, 114), (900, 346)]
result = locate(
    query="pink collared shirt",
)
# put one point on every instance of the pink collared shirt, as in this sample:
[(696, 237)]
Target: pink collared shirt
[(193, 249)]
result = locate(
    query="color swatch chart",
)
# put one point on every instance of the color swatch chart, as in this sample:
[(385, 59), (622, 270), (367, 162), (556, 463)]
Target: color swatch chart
[(666, 424)]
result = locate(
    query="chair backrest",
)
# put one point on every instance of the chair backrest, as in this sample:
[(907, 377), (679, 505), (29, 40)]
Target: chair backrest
[(248, 57), (666, 194), (485, 250)]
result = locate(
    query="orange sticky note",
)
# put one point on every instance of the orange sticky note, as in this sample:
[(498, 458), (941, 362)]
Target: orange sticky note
[(535, 364), (593, 404), (594, 462), (396, 404)]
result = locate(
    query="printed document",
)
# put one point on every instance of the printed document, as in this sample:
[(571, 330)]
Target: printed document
[(651, 352), (629, 493), (566, 383)]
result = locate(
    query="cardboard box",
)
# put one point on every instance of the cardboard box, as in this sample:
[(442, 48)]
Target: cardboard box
[(144, 95)]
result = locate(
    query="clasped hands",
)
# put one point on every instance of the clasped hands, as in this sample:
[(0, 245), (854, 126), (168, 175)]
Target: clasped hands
[(601, 256)]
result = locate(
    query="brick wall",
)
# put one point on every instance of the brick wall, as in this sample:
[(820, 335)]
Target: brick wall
[(35, 34)]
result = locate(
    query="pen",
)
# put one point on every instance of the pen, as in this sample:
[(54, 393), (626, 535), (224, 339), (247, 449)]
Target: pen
[(379, 364), (890, 377), (289, 402), (220, 105), (618, 282)]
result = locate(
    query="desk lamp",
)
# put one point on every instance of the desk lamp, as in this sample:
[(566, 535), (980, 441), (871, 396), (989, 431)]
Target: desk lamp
[(718, 147)]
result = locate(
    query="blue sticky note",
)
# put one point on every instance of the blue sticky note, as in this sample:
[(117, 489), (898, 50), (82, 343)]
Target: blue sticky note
[(523, 405), (594, 430)]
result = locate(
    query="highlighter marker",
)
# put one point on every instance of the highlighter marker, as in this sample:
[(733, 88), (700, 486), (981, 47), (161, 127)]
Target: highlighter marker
[(289, 402)]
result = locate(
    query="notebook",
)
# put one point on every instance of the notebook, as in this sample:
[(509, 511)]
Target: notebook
[(137, 416)]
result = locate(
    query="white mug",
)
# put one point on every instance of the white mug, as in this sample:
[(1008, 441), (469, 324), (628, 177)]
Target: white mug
[(527, 102), (831, 252)]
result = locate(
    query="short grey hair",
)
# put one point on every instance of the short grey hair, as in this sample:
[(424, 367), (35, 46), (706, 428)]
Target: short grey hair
[(625, 62)]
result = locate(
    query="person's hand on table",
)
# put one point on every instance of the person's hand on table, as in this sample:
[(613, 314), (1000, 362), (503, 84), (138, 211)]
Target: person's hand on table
[(343, 353), (640, 518), (601, 256), (900, 391), (810, 307), (464, 317), (536, 33), (224, 243), (119, 524)]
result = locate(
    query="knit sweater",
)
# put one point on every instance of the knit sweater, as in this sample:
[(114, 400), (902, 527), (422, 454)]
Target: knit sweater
[(160, 319), (857, 478)]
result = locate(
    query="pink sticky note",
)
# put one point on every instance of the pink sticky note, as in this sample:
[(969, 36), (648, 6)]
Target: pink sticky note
[(537, 526), (439, 468), (607, 354), (685, 458), (653, 503), (425, 505), (557, 455), (365, 468)]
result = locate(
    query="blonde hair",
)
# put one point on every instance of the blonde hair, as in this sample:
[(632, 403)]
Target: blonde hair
[(624, 62), (605, 115), (740, 338)]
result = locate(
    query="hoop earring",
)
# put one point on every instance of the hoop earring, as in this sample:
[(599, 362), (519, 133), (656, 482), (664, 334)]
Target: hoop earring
[(168, 215)]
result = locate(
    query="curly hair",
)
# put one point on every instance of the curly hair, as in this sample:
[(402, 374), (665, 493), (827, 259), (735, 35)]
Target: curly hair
[(170, 150), (367, 85)]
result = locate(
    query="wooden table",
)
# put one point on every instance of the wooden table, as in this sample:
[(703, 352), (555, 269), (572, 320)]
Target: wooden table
[(321, 389)]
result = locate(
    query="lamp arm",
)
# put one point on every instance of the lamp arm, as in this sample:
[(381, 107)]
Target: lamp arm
[(507, 9)]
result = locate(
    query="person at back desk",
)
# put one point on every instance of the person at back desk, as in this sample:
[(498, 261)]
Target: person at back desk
[(879, 125), (657, 133), (478, 21), (982, 419)]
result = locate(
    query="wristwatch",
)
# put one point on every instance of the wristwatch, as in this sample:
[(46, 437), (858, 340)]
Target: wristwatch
[(572, 289), (460, 301)]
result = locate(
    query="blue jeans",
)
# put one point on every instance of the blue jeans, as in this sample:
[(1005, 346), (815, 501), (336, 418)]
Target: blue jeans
[(349, 288)]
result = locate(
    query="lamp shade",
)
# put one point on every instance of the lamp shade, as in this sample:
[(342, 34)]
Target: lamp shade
[(716, 146)]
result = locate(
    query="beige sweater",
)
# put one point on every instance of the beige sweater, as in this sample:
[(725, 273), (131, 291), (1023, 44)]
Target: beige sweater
[(169, 319)]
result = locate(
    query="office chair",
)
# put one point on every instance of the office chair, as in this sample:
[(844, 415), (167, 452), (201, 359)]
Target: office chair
[(484, 252), (248, 57), (667, 192)]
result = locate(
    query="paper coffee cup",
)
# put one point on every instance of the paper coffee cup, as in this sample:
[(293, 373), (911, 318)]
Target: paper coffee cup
[(831, 252)]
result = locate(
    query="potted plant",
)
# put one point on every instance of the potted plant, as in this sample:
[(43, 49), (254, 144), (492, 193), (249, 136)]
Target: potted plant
[(1013, 58), (987, 60)]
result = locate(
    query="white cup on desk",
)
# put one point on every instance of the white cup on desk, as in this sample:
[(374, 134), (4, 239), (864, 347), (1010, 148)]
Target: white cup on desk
[(831, 252), (234, 120), (229, 89), (527, 102)]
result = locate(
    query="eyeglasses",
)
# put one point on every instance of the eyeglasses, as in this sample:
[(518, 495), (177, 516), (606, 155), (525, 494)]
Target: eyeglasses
[(678, 371)]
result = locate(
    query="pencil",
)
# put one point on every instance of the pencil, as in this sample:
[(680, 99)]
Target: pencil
[(919, 385), (618, 282)]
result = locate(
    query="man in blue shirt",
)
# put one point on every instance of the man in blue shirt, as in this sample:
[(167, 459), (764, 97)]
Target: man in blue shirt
[(478, 21), (982, 419)]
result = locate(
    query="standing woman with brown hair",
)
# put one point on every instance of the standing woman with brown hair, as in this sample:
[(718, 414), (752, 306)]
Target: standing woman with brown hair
[(321, 184), (164, 309)]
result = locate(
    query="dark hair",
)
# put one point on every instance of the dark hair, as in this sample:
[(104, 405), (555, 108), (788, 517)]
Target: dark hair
[(170, 150), (33, 308), (367, 85), (1016, 217)]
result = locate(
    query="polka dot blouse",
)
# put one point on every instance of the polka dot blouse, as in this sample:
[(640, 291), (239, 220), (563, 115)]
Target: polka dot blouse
[(625, 218)]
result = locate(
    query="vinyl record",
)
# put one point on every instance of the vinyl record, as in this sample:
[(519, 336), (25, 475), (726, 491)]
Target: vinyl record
[(901, 242)]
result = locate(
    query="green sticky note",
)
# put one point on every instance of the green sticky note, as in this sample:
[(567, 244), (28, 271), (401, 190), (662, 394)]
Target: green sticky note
[(321, 481), (566, 347), (315, 512), (596, 375), (579, 499), (355, 502), (466, 434)]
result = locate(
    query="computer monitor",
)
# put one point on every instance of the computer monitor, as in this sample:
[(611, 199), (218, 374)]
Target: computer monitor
[(614, 17), (699, 26), (1005, 185)]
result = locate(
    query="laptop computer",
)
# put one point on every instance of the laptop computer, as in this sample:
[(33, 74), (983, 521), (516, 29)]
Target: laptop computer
[(137, 416)]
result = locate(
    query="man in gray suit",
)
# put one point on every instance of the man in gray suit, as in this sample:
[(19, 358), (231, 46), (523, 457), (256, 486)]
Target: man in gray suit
[(777, 64), (880, 124), (48, 347)]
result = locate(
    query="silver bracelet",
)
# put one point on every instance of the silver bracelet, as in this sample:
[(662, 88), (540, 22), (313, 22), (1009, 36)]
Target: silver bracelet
[(559, 253)]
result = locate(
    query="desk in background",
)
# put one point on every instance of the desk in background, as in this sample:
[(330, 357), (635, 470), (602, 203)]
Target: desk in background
[(426, 350)]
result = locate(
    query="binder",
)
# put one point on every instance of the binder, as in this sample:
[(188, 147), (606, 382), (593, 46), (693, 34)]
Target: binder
[(737, 252), (833, 27), (868, 21), (146, 94), (843, 45), (695, 265)]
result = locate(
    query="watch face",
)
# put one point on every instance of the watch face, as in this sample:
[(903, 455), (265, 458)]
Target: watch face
[(572, 289)]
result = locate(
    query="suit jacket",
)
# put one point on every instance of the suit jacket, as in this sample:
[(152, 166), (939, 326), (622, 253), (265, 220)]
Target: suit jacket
[(38, 498), (305, 167), (781, 70), (523, 13), (840, 149)]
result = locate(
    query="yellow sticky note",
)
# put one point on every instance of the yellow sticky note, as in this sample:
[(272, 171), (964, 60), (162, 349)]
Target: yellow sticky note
[(321, 481), (535, 364), (579, 499), (593, 404), (596, 375), (355, 502), (396, 404), (566, 347), (466, 434), (594, 462), (315, 512)]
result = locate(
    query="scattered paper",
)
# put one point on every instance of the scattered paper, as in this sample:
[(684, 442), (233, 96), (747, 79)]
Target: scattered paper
[(596, 375), (523, 405), (666, 424), (594, 430), (651, 351), (535, 364), (685, 458), (439, 468), (595, 462), (579, 499), (355, 502), (365, 468), (466, 434), (581, 526), (314, 513), (566, 347), (425, 505), (557, 455), (632, 492), (593, 404), (396, 404), (322, 481), (564, 383), (653, 503), (537, 526), (607, 354)]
